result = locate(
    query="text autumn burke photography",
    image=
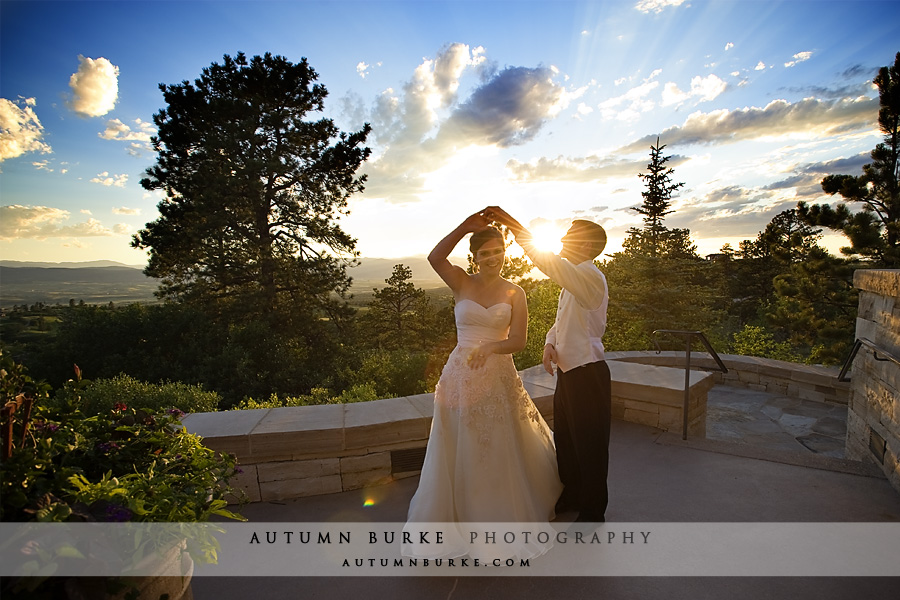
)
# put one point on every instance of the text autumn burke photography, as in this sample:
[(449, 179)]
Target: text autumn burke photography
[(381, 540)]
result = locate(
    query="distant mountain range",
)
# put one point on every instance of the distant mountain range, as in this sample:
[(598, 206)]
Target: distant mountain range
[(102, 281), (66, 265)]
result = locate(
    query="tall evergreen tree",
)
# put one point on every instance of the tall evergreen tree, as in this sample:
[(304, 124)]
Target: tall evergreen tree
[(400, 314), (874, 233), (657, 200), (253, 189)]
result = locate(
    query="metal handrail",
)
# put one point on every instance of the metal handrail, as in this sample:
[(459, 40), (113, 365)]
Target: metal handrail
[(860, 342), (689, 338)]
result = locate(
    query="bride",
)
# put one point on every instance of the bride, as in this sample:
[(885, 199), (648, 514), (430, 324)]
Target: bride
[(490, 456)]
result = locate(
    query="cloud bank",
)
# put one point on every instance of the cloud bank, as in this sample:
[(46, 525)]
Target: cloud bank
[(779, 118), (421, 127), (20, 129), (41, 222)]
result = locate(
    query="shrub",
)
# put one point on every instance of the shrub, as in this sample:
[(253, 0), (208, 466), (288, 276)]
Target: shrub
[(364, 392), (104, 394), (122, 464), (756, 341)]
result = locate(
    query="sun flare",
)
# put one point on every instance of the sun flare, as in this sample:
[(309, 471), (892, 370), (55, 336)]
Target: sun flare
[(547, 238)]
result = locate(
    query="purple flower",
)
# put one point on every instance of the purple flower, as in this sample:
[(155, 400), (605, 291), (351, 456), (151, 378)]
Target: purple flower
[(175, 412), (107, 446), (238, 470), (44, 426), (117, 514)]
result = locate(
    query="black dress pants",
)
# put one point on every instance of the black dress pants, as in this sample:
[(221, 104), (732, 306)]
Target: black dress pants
[(581, 416)]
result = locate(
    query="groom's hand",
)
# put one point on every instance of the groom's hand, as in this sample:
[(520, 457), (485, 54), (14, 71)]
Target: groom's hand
[(549, 358), (501, 216)]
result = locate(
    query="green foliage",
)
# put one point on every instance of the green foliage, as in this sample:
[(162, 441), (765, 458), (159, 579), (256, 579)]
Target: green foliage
[(543, 299), (123, 465), (874, 233), (750, 281), (103, 394), (657, 199), (815, 306), (253, 190), (649, 293), (394, 372), (364, 392), (177, 342), (400, 316), (753, 340)]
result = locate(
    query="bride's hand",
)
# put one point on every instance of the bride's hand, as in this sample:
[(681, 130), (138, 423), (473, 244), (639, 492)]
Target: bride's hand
[(476, 222), (478, 356)]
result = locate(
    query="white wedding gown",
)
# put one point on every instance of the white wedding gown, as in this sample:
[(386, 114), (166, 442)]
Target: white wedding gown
[(490, 456)]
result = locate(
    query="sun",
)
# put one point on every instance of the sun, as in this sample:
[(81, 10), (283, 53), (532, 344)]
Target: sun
[(547, 238)]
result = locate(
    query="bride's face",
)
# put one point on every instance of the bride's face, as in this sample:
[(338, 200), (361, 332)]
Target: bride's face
[(489, 257)]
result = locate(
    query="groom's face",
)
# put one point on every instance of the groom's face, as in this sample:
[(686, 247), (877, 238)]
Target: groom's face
[(574, 246)]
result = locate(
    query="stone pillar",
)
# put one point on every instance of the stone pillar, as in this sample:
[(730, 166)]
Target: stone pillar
[(873, 417)]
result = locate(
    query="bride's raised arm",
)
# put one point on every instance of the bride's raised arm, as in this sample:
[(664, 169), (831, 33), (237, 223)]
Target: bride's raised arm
[(452, 275)]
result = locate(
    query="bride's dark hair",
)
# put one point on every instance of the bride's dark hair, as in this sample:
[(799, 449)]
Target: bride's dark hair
[(480, 237)]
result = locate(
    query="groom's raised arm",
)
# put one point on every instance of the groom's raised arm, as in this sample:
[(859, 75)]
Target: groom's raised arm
[(587, 286)]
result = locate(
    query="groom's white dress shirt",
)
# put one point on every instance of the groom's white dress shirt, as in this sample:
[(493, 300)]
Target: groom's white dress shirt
[(580, 323)]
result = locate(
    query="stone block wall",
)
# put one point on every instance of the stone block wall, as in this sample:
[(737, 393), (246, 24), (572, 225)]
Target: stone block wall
[(303, 451), (806, 382), (873, 417)]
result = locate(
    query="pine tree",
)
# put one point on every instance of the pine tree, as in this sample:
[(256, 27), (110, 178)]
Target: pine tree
[(657, 200), (253, 189), (874, 233)]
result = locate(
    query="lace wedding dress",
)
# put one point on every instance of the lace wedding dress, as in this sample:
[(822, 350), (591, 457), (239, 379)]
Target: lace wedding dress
[(490, 456)]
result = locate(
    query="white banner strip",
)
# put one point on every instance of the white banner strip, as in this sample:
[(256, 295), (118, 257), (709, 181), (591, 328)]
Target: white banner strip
[(447, 549)]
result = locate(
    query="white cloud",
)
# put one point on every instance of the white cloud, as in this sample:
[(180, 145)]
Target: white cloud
[(20, 129), (122, 210), (707, 88), (362, 69), (809, 118), (40, 222), (630, 105), (656, 6), (729, 46), (591, 168), (759, 66), (108, 180), (95, 87), (799, 58), (422, 126), (43, 165), (119, 131)]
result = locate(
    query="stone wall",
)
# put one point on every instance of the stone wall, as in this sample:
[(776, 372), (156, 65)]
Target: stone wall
[(873, 417), (303, 451), (795, 380)]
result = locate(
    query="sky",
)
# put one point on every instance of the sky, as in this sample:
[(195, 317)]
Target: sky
[(547, 109)]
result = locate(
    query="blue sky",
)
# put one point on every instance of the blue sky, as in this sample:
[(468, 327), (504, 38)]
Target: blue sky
[(545, 108)]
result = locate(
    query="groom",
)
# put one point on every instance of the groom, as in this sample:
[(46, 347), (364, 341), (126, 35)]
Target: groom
[(581, 403)]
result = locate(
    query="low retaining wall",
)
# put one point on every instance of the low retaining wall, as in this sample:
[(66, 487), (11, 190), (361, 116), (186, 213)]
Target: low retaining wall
[(795, 380), (302, 451)]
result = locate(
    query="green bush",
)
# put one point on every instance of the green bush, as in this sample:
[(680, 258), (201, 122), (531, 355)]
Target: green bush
[(123, 464), (363, 392), (756, 341), (101, 395)]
